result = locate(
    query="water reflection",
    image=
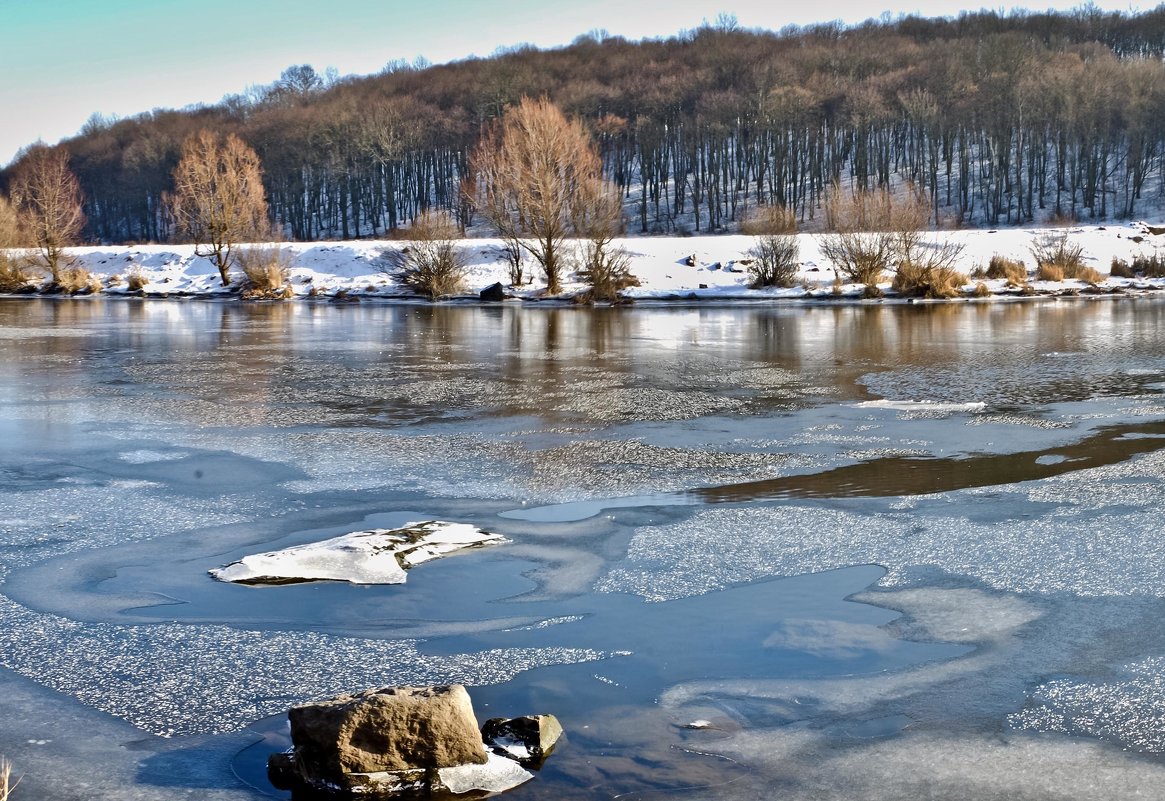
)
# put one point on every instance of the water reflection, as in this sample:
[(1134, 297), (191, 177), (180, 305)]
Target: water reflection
[(370, 360)]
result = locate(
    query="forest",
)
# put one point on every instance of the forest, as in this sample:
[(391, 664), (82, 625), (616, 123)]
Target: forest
[(999, 119)]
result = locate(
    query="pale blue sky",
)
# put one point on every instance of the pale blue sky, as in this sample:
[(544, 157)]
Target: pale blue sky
[(63, 60)]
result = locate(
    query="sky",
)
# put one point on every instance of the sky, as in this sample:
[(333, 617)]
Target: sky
[(64, 60)]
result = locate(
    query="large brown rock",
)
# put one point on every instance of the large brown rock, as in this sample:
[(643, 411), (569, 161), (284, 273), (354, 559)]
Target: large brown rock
[(390, 729)]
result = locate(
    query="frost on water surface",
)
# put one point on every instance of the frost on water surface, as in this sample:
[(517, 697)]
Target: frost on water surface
[(173, 679), (378, 556)]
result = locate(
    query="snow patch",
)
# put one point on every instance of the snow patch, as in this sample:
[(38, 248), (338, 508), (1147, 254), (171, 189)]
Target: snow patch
[(377, 556)]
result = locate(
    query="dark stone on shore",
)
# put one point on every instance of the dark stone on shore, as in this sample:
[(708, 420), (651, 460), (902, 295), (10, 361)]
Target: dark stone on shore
[(493, 293)]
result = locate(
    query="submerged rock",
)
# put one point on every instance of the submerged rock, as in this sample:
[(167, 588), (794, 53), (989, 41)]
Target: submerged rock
[(404, 741), (377, 556)]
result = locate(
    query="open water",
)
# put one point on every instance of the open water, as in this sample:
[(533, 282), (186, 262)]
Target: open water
[(828, 552)]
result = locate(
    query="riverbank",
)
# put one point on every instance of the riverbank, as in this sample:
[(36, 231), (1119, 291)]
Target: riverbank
[(667, 268)]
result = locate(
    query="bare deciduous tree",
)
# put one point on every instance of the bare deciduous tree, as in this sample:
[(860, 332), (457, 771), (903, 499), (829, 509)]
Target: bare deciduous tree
[(218, 198), (48, 199), (534, 171)]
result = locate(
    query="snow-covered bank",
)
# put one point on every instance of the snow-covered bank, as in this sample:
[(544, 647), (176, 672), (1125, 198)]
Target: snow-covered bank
[(668, 268)]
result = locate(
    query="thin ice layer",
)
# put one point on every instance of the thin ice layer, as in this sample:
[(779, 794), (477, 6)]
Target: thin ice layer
[(172, 679)]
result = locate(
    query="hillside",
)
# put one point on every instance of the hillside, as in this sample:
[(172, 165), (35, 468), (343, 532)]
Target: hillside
[(1002, 119)]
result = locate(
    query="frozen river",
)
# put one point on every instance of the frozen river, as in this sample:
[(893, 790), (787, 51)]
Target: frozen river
[(872, 552)]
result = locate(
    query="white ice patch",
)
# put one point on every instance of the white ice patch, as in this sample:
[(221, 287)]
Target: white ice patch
[(377, 556), (146, 456), (924, 406), (497, 775), (1129, 710)]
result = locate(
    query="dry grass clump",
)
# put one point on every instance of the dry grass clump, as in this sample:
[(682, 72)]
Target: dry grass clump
[(928, 282), (981, 290), (774, 256), (266, 270), (76, 280), (1013, 271), (135, 280), (1088, 275), (432, 264), (1050, 272), (1056, 272), (15, 275), (6, 783), (1149, 266)]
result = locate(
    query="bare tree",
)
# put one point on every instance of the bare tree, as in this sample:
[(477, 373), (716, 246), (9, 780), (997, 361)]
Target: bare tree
[(218, 198), (534, 171), (48, 198)]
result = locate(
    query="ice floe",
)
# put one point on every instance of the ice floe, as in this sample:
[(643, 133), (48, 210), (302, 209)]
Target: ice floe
[(377, 556)]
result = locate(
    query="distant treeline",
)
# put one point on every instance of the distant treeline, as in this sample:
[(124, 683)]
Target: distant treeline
[(1000, 118)]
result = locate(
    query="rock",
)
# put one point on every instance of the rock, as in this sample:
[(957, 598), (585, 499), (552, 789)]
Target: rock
[(528, 739), (406, 741), (493, 293), (391, 729)]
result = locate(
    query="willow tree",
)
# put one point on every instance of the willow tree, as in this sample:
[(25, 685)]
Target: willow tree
[(218, 198), (48, 198), (536, 171)]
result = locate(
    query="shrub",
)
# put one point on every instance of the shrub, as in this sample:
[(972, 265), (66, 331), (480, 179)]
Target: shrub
[(1120, 269), (928, 282), (774, 256), (1055, 249), (861, 241), (607, 270), (872, 231), (1149, 266), (265, 269), (981, 290), (1013, 270), (870, 291), (431, 264)]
